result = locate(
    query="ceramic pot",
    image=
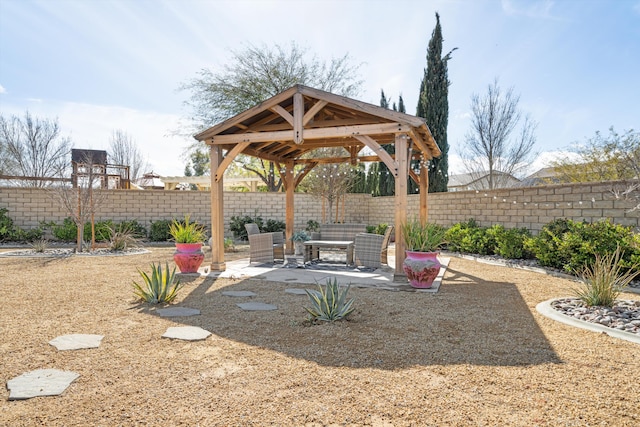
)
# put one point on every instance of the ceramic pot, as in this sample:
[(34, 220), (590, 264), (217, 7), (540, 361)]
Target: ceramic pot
[(421, 268), (188, 257)]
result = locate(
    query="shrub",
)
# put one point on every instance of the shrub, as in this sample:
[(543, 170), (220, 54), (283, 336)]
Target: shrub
[(10, 233), (161, 287), (122, 237), (187, 231), (40, 245), (468, 237), (377, 229), (509, 243), (603, 280), (545, 245), (67, 231), (236, 225), (229, 246), (329, 303), (102, 229), (273, 225), (136, 229), (159, 230), (312, 226)]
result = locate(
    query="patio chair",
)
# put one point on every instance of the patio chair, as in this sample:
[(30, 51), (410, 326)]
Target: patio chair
[(385, 244), (264, 247), (371, 249)]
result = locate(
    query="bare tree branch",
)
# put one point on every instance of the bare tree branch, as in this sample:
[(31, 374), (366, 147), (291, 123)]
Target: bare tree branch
[(124, 151)]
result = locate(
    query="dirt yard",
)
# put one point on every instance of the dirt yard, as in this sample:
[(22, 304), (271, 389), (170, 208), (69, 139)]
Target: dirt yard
[(476, 353)]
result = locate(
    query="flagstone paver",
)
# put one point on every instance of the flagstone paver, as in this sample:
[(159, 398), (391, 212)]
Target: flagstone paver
[(178, 312), (239, 293), (256, 306), (41, 382), (76, 341), (187, 333)]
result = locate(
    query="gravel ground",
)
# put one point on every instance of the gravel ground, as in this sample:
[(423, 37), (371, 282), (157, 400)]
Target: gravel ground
[(475, 353)]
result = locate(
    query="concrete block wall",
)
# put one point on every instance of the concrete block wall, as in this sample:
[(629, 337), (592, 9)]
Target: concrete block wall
[(531, 207)]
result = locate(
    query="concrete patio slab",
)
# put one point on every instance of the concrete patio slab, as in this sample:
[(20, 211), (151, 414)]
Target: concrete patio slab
[(76, 341), (41, 382)]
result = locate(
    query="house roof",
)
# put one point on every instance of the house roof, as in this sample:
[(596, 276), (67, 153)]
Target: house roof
[(293, 123)]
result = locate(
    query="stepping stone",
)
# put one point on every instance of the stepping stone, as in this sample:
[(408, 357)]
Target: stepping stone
[(256, 306), (296, 291), (239, 293), (187, 333), (178, 312), (76, 341), (42, 382)]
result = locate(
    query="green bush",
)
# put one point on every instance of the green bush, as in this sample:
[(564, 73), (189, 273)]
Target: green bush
[(572, 246), (509, 243), (236, 225), (102, 228), (10, 233), (377, 229), (468, 237), (67, 231), (159, 230), (273, 225), (133, 227)]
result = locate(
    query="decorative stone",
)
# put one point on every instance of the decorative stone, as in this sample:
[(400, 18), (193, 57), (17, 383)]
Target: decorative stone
[(296, 291), (41, 382), (178, 312), (187, 333), (256, 306), (76, 341), (239, 293)]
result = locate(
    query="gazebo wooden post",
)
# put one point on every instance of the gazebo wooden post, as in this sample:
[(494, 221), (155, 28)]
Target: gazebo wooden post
[(217, 211), (424, 191), (289, 217), (401, 176)]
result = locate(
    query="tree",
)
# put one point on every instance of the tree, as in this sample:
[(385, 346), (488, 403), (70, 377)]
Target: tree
[(605, 158), (33, 147), (256, 74), (501, 139), (433, 105), (602, 158), (124, 151)]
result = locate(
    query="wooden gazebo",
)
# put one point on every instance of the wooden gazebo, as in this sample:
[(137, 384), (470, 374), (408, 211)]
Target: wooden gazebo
[(287, 128)]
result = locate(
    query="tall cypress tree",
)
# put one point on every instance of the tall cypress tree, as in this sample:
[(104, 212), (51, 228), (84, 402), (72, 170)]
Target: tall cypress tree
[(433, 105)]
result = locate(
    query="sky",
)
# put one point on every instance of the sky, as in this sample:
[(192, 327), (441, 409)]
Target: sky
[(102, 65)]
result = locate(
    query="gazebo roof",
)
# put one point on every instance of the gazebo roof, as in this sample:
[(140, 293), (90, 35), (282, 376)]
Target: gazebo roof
[(287, 126)]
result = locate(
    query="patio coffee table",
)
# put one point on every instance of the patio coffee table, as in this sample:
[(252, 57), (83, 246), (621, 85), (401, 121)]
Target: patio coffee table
[(312, 248)]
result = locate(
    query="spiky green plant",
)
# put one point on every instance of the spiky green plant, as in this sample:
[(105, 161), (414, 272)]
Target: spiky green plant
[(422, 238), (40, 245), (603, 281), (187, 231), (121, 238), (161, 287), (329, 303)]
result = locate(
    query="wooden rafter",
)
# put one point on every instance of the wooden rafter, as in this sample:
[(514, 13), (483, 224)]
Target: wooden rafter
[(384, 156)]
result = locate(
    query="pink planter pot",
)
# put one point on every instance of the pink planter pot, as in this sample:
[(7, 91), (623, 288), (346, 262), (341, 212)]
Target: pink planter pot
[(188, 257), (421, 268)]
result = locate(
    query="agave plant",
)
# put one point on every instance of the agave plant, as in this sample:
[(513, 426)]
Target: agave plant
[(161, 287), (604, 280), (329, 303)]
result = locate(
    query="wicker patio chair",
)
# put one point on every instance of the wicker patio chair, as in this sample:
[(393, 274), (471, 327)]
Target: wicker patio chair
[(385, 244), (368, 249), (264, 247)]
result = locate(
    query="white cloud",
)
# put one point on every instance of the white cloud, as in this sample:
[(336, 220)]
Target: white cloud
[(2, 89), (537, 9)]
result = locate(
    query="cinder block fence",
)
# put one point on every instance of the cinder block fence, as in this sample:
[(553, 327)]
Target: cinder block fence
[(531, 207)]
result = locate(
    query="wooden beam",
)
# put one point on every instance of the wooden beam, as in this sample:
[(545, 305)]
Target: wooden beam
[(401, 204), (289, 207), (283, 113), (217, 212), (304, 172), (384, 156), (298, 118), (231, 154), (414, 176), (315, 133), (424, 192), (419, 142), (313, 111)]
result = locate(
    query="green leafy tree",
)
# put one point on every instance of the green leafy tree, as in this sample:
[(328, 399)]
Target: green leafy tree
[(256, 74), (433, 105)]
